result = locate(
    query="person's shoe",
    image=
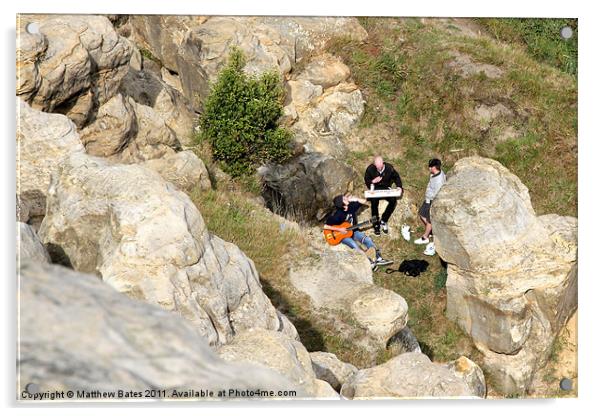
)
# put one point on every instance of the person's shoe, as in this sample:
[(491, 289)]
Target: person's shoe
[(421, 240), (384, 227), (374, 265), (405, 232), (376, 230), (430, 249), (382, 262)]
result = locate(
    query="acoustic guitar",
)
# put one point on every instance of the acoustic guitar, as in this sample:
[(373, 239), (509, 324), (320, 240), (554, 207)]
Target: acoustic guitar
[(335, 237)]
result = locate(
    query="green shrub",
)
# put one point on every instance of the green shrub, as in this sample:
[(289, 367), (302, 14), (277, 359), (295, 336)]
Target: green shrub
[(240, 118)]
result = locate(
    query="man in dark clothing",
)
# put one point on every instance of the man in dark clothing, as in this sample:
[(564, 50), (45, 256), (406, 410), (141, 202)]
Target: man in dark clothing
[(381, 175), (347, 207)]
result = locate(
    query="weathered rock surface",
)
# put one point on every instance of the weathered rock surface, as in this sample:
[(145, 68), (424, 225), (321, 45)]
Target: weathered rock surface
[(162, 35), (323, 106), (148, 240), (278, 352), (329, 368), (29, 246), (73, 62), (154, 138), (183, 169), (339, 284), (325, 71), (77, 333), (114, 126), (512, 276), (43, 140), (197, 47), (471, 373), (304, 36), (406, 375), (170, 105), (303, 189)]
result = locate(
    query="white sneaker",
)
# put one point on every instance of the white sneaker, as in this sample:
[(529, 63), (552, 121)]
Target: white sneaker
[(421, 240), (384, 227), (430, 249), (405, 232)]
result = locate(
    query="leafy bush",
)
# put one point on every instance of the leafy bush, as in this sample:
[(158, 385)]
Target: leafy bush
[(240, 118)]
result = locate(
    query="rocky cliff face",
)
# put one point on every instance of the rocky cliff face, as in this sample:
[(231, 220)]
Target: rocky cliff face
[(147, 240), (512, 275), (77, 333)]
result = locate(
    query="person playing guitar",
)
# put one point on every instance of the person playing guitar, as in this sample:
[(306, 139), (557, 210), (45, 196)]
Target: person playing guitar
[(342, 220)]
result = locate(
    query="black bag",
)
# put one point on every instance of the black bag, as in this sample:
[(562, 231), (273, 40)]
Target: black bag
[(410, 268)]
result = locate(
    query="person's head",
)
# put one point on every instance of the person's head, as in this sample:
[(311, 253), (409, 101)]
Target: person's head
[(434, 166), (341, 201), (379, 163)]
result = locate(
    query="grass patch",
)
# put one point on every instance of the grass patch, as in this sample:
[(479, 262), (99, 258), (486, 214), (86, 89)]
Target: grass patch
[(404, 72), (540, 38)]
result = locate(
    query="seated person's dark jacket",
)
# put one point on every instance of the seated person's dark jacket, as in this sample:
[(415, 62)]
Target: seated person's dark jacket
[(389, 176), (340, 216)]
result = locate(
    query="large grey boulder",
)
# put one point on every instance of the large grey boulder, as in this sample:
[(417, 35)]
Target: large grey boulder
[(72, 63), (43, 140), (183, 169), (77, 333), (407, 375), (277, 351), (147, 239), (153, 139), (329, 368), (340, 288), (170, 105), (114, 126), (162, 35), (29, 246), (512, 276), (303, 188)]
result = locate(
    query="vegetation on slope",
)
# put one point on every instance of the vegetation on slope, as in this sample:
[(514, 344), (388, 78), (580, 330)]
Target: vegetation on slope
[(418, 106)]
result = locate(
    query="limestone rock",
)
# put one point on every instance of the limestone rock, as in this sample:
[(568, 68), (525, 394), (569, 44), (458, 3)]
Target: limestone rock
[(148, 240), (512, 276), (276, 351), (325, 71), (329, 368), (205, 49), (323, 123), (154, 139), (406, 375), (196, 48), (29, 246), (471, 373), (303, 189), (77, 333), (43, 140), (183, 169), (162, 35), (287, 327), (73, 56), (339, 284), (111, 131), (170, 105), (304, 36)]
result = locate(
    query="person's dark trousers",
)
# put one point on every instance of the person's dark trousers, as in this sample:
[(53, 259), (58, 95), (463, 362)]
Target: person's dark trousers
[(391, 204)]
